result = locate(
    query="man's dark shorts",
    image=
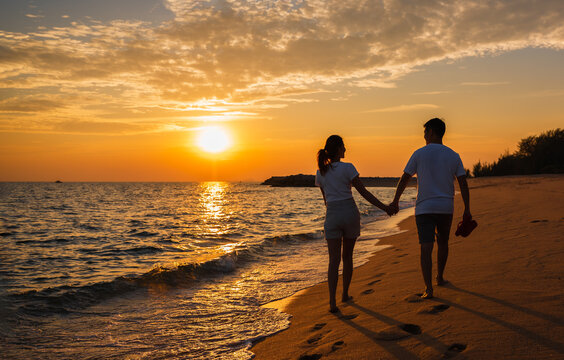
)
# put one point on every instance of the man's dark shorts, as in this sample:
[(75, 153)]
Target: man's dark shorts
[(430, 226)]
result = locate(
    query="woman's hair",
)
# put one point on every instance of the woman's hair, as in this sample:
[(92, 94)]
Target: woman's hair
[(329, 152)]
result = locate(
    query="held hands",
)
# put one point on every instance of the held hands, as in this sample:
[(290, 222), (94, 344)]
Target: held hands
[(389, 210), (392, 209), (394, 205)]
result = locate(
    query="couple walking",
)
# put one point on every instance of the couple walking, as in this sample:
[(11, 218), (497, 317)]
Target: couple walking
[(436, 167)]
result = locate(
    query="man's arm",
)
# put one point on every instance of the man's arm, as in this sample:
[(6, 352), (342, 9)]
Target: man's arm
[(465, 192), (402, 184)]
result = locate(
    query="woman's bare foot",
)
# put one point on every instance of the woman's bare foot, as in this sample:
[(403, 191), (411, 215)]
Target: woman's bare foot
[(428, 294), (346, 298), (334, 309)]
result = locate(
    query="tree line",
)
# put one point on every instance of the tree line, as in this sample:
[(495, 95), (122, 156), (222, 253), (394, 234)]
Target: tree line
[(541, 154)]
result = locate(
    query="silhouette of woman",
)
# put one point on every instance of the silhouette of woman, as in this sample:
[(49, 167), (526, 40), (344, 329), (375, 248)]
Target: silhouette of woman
[(342, 220)]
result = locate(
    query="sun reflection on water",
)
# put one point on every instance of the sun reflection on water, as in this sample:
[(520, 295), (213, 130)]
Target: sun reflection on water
[(212, 203)]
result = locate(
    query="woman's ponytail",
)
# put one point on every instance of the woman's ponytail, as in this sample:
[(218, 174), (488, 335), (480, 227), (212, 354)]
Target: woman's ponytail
[(326, 155), (322, 161)]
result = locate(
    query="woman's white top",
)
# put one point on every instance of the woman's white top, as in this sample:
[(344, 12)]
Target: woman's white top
[(336, 183)]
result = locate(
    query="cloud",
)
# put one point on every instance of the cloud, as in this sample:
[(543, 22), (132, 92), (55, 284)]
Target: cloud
[(411, 107), (432, 92), (102, 127), (485, 83), (252, 54), (29, 105), (370, 83)]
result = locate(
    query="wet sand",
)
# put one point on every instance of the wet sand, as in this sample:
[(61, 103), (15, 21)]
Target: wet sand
[(505, 297)]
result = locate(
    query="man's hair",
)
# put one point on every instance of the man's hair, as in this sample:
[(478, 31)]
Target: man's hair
[(437, 125)]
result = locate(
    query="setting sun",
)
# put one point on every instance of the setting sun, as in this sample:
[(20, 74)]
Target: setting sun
[(213, 139)]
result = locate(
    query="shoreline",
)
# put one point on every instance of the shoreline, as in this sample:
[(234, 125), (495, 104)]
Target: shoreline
[(390, 225), (503, 300)]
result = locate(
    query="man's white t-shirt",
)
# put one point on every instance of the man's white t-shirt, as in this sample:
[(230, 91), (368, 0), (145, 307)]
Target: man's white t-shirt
[(336, 183), (436, 166)]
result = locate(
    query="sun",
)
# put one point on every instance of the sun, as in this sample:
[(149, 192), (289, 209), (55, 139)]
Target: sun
[(213, 139)]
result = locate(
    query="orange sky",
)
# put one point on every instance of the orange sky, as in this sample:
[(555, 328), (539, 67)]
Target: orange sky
[(103, 94)]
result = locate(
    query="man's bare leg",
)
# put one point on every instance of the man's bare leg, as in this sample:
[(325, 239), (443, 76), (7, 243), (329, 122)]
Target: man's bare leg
[(442, 256), (443, 231), (427, 268)]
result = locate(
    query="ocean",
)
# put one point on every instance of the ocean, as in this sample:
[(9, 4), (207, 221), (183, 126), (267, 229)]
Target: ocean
[(160, 270)]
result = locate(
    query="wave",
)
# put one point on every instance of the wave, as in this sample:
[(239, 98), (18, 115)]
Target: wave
[(142, 233), (67, 299)]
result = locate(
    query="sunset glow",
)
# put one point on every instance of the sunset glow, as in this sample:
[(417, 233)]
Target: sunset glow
[(110, 91)]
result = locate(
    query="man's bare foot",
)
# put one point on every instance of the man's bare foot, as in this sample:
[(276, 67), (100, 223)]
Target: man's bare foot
[(346, 298), (441, 281), (428, 294)]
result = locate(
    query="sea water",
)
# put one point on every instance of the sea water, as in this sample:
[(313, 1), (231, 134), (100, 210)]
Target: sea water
[(159, 270)]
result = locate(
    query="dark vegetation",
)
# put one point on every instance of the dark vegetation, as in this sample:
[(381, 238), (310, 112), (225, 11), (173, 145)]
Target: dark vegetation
[(542, 154)]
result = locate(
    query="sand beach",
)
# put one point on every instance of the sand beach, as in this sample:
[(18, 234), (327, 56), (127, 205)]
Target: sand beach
[(504, 300)]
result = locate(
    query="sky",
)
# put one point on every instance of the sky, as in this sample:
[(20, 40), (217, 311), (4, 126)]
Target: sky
[(121, 90)]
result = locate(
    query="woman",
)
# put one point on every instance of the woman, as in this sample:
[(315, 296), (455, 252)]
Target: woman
[(342, 221)]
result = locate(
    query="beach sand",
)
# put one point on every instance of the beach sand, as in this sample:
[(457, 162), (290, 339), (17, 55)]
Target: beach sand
[(505, 299)]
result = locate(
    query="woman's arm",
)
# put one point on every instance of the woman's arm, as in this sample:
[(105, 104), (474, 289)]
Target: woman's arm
[(359, 186)]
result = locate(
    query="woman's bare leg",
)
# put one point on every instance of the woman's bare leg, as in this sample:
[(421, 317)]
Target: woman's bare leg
[(348, 247), (334, 246)]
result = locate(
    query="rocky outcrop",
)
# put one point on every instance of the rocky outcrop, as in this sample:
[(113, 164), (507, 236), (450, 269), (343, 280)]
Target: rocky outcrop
[(302, 180)]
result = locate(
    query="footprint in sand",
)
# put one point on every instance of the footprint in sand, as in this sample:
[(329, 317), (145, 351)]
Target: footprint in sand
[(368, 291), (314, 339), (454, 350), (413, 298), (310, 357), (318, 326), (337, 345), (374, 282), (435, 309), (390, 333), (349, 317), (536, 221), (397, 332), (402, 255), (411, 328)]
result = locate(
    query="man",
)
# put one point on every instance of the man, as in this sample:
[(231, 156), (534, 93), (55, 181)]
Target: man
[(436, 166)]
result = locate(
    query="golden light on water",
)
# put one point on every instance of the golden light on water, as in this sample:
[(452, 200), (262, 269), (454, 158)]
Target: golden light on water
[(213, 139), (212, 203)]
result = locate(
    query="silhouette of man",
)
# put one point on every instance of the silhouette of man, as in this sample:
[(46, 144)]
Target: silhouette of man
[(436, 166)]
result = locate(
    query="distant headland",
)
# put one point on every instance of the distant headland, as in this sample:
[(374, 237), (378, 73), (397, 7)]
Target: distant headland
[(302, 180)]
